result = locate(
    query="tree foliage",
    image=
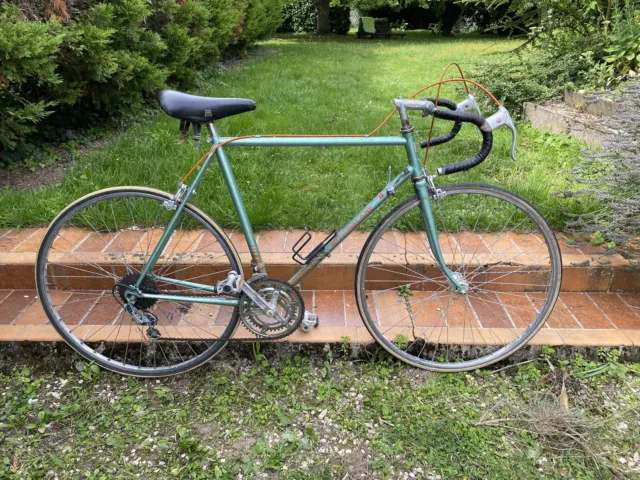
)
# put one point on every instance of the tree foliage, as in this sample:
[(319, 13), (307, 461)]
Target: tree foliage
[(100, 58), (570, 43), (603, 34), (301, 16)]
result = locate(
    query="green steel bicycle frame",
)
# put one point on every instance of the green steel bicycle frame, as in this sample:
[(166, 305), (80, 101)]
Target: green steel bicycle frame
[(413, 171)]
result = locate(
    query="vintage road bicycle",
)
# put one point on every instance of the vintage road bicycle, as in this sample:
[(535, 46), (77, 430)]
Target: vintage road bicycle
[(454, 278)]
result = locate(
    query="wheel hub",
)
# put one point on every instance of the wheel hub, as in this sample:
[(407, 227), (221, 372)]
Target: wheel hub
[(464, 284)]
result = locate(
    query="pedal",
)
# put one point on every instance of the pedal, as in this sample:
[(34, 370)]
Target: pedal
[(309, 320)]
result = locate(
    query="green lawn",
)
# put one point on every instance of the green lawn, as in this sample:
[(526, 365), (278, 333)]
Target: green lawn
[(304, 85), (320, 417)]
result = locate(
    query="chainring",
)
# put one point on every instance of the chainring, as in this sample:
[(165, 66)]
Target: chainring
[(290, 307)]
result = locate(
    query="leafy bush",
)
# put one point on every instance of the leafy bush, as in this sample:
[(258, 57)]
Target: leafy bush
[(597, 43), (25, 51), (102, 58), (623, 52), (420, 14), (529, 75), (300, 16), (340, 19), (262, 18)]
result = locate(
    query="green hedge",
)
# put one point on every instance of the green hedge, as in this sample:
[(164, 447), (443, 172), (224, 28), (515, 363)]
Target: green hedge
[(300, 16), (106, 57)]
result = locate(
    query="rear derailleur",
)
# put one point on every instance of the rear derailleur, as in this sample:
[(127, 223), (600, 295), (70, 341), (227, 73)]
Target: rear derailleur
[(136, 307), (146, 319)]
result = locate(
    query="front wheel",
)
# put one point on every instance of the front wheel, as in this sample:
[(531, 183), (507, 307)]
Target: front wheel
[(499, 248), (97, 247)]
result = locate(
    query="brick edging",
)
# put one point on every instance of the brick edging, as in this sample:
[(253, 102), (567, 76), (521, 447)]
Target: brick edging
[(360, 335), (585, 269)]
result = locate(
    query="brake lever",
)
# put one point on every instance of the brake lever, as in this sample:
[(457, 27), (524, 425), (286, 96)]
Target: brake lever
[(502, 118), (469, 103)]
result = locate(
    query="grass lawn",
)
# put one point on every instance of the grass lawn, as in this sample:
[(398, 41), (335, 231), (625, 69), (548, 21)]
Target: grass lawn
[(338, 85), (320, 417)]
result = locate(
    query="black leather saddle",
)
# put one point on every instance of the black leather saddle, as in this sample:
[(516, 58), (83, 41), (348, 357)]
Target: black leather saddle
[(200, 110)]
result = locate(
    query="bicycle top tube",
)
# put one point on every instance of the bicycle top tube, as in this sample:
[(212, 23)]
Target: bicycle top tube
[(310, 141)]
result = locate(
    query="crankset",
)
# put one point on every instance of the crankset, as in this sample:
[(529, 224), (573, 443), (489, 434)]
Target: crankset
[(285, 309)]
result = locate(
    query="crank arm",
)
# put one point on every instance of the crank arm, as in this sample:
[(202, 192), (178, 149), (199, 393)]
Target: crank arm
[(267, 308), (257, 299), (274, 300)]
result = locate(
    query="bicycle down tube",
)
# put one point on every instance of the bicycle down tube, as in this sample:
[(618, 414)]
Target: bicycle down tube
[(413, 171)]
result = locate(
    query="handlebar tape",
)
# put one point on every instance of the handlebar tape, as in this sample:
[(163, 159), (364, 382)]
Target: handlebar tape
[(447, 136), (485, 131)]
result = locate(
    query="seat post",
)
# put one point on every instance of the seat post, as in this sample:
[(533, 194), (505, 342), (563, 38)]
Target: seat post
[(213, 133)]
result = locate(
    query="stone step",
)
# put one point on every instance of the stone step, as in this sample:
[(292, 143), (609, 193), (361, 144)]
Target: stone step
[(579, 319), (598, 105), (559, 118), (585, 268)]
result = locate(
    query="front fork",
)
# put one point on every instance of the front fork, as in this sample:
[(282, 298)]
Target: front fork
[(424, 187)]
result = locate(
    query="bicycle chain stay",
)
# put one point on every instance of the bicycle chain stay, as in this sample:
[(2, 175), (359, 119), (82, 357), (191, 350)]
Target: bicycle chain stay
[(225, 339), (184, 339)]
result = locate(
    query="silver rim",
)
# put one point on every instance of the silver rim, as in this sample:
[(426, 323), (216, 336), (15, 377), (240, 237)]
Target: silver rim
[(106, 237), (495, 243)]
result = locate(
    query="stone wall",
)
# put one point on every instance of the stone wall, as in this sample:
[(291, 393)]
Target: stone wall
[(579, 115)]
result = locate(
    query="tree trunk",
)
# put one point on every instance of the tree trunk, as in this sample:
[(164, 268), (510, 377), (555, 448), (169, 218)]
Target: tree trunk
[(450, 16), (323, 9)]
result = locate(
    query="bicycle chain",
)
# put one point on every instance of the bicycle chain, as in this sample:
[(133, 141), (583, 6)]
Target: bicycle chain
[(223, 339)]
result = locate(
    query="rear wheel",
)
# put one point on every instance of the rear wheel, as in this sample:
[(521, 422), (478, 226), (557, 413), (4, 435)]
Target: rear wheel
[(496, 244), (96, 248)]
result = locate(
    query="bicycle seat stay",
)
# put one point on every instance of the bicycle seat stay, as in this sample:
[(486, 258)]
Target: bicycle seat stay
[(196, 109)]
